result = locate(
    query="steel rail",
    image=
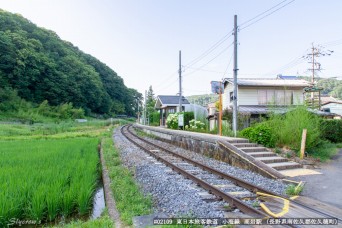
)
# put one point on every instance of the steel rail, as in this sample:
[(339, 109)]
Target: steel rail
[(225, 196), (235, 180)]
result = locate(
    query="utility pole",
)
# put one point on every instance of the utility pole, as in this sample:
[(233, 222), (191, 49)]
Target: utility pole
[(180, 81), (235, 97), (316, 52), (138, 111), (220, 109), (145, 108)]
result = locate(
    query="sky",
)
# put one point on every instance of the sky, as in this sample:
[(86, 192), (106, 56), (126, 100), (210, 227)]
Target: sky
[(141, 40)]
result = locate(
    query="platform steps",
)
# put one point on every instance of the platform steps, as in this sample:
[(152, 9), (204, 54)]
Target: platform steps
[(266, 156)]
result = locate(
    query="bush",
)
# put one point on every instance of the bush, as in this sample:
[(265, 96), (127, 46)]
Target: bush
[(286, 130), (172, 121), (195, 124), (154, 118), (261, 134), (187, 117), (289, 128), (332, 130)]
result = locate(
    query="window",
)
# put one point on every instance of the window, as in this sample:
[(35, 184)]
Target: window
[(288, 97), (231, 97), (262, 97), (275, 97), (279, 97)]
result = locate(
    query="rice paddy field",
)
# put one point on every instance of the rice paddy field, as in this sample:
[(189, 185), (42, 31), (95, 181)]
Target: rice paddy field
[(48, 172)]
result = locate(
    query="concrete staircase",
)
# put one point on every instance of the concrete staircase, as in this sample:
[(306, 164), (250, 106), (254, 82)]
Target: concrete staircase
[(266, 156)]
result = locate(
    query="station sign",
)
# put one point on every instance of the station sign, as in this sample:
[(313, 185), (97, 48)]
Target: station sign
[(215, 87)]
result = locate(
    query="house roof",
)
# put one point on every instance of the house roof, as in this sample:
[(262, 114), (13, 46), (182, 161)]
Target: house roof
[(268, 82), (326, 100), (169, 100), (287, 77)]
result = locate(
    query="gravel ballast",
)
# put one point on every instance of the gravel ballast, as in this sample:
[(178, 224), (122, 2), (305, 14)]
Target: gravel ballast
[(172, 194)]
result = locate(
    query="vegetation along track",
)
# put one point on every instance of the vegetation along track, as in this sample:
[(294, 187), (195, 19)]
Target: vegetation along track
[(228, 193)]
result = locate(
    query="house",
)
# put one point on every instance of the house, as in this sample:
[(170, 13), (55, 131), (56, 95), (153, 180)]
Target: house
[(170, 104), (280, 76), (331, 105), (257, 96)]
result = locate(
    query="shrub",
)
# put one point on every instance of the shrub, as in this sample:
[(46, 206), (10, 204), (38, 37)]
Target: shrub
[(289, 128), (172, 121), (332, 130), (195, 124), (261, 134), (187, 117), (154, 118)]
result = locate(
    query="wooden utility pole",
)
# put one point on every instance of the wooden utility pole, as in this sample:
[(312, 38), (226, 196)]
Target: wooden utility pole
[(180, 81), (235, 97), (220, 109)]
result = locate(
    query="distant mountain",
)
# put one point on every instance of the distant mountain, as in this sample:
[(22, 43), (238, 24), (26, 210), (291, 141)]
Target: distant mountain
[(40, 66), (203, 100), (331, 86)]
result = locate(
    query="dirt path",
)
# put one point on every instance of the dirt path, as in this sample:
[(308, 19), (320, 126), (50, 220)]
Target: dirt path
[(110, 203), (327, 186)]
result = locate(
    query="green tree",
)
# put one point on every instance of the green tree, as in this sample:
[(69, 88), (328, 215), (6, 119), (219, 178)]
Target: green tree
[(150, 100), (40, 66)]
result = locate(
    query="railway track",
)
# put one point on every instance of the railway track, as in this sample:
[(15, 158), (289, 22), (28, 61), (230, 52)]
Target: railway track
[(236, 192)]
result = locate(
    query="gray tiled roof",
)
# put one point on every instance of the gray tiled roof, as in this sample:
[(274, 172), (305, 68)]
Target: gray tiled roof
[(268, 82), (169, 99)]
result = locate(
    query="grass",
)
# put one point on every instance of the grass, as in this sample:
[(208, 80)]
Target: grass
[(104, 222), (129, 200), (293, 190), (41, 179), (141, 133), (325, 150)]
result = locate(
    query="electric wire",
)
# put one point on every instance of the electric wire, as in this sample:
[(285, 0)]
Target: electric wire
[(211, 49), (220, 53), (252, 23), (262, 13)]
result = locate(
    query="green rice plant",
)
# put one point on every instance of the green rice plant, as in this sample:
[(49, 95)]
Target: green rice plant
[(41, 179), (53, 201), (84, 198), (38, 204), (68, 202)]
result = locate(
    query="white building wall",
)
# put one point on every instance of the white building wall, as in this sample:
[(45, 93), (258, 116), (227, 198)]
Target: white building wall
[(225, 96), (334, 108), (247, 96)]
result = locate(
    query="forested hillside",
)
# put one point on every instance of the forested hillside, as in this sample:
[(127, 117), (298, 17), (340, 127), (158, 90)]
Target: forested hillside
[(39, 66), (331, 86), (204, 99)]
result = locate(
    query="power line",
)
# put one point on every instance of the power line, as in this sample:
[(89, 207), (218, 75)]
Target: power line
[(224, 50), (168, 79), (212, 71), (262, 13), (266, 15), (289, 65), (211, 49), (230, 61)]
